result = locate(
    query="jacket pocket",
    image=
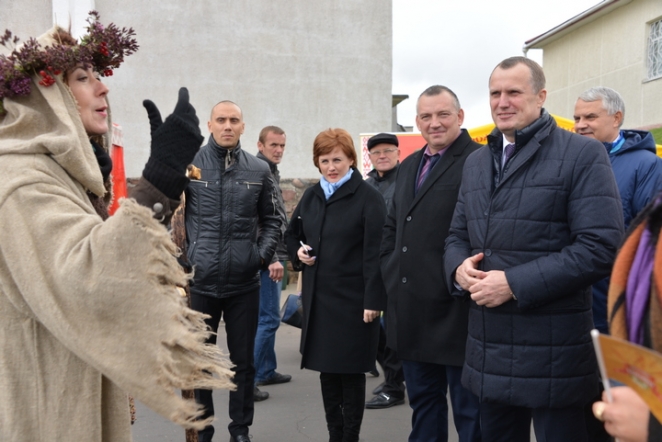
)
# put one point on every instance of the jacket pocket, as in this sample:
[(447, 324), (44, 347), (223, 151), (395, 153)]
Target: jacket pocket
[(255, 184), (203, 259), (245, 260), (246, 196), (390, 271)]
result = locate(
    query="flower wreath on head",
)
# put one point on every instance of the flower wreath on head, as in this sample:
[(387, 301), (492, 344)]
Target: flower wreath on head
[(102, 48)]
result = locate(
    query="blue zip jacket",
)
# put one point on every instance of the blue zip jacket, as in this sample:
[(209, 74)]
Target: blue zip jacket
[(638, 172)]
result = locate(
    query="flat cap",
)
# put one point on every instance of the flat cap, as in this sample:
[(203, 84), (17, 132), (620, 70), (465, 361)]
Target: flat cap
[(382, 138)]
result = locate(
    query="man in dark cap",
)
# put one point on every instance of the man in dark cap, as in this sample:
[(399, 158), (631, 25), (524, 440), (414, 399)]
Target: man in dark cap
[(384, 155)]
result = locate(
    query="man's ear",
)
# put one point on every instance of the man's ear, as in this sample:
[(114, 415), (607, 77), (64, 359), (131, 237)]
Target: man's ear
[(460, 117), (542, 96)]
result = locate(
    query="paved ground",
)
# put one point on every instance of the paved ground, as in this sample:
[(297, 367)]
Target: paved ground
[(293, 412)]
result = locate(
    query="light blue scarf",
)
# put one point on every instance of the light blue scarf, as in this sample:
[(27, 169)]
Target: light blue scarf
[(616, 145), (330, 188)]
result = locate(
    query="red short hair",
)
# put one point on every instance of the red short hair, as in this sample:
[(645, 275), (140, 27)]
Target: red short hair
[(327, 140)]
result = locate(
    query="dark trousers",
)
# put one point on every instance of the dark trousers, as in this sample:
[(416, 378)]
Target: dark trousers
[(240, 315), (394, 377), (344, 402), (505, 423), (426, 388)]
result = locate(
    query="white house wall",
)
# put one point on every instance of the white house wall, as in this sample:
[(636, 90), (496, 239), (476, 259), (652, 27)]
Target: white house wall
[(610, 51)]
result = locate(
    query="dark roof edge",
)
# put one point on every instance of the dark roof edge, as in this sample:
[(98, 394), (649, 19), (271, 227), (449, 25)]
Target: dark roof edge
[(602, 8)]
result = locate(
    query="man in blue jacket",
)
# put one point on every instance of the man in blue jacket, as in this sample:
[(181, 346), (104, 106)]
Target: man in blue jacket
[(599, 114), (537, 222)]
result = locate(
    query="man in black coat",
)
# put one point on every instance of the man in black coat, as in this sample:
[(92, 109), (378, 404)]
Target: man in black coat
[(537, 221), (426, 326), (384, 155), (233, 225)]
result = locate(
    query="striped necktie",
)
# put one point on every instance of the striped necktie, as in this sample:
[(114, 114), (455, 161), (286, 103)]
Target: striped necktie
[(508, 151), (427, 165)]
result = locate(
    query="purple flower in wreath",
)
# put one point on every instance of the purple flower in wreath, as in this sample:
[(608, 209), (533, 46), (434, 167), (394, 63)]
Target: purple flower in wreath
[(21, 86), (102, 48)]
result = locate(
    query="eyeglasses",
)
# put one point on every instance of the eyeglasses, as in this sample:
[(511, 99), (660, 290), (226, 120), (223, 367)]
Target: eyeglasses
[(376, 153)]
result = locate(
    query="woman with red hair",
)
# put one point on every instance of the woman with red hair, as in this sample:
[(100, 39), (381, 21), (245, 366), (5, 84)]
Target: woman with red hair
[(334, 238)]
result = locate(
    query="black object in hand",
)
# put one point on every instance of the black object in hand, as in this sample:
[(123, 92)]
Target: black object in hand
[(309, 250)]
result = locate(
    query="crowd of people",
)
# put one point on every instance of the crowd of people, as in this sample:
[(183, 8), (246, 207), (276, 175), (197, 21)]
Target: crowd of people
[(474, 270)]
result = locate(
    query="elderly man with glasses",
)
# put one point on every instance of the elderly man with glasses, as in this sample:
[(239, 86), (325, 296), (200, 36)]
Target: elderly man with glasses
[(384, 155)]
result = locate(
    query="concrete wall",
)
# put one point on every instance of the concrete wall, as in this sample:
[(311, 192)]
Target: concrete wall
[(610, 51), (28, 18), (304, 66)]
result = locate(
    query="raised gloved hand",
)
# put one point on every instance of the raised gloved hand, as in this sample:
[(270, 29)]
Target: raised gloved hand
[(175, 142)]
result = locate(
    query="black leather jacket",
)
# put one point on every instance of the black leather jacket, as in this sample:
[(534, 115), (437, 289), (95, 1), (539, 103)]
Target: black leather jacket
[(281, 250), (234, 200)]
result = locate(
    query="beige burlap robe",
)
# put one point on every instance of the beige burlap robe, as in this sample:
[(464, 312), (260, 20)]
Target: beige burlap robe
[(89, 310)]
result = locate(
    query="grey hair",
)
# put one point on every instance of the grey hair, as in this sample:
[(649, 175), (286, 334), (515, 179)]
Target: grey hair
[(611, 100)]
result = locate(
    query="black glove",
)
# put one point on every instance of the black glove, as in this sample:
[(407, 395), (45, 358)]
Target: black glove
[(174, 145)]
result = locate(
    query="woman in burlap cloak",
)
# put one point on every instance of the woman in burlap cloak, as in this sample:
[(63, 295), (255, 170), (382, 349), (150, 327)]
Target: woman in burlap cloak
[(90, 308)]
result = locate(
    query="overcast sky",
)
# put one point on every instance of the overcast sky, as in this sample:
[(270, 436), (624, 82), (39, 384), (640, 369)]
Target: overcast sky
[(458, 43)]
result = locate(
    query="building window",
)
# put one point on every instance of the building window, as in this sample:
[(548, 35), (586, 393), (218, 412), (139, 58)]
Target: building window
[(655, 50)]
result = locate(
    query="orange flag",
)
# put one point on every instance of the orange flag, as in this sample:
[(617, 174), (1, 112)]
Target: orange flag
[(118, 174), (633, 365)]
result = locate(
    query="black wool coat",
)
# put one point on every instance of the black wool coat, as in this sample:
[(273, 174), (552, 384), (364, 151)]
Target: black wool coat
[(345, 233), (425, 323)]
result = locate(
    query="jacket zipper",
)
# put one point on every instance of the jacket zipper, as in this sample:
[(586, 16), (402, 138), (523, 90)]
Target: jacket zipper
[(206, 183), (248, 184)]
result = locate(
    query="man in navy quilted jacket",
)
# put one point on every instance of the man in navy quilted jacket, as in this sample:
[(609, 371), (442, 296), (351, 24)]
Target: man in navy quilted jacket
[(538, 220)]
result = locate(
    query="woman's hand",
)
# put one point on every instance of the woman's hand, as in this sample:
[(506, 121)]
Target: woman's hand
[(370, 315), (303, 256), (626, 418)]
